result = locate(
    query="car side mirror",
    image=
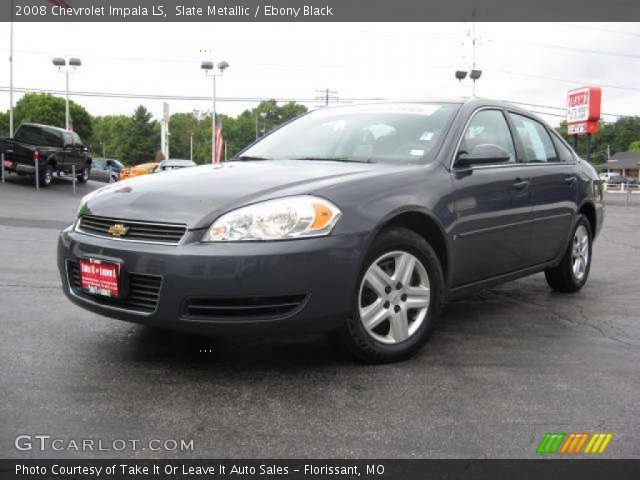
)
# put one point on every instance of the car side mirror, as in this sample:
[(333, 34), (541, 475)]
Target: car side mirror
[(483, 154)]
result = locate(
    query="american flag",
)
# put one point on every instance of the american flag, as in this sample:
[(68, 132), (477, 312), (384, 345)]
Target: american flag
[(218, 140)]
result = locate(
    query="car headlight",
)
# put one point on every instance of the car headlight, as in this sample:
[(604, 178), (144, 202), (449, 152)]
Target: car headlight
[(289, 217)]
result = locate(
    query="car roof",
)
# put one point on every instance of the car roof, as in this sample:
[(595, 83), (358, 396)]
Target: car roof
[(48, 127)]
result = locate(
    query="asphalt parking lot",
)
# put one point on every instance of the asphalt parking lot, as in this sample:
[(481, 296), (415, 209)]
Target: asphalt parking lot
[(502, 368)]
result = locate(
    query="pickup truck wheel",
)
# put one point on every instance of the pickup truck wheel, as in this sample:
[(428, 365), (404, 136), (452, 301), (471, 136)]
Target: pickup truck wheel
[(571, 275), (46, 176), (399, 294), (84, 175)]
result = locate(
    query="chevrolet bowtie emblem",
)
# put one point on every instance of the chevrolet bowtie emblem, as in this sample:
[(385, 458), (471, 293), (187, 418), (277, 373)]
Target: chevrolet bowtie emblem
[(118, 230)]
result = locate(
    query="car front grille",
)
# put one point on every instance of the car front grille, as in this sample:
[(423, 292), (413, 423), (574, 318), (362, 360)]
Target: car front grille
[(254, 308), (134, 230), (142, 295)]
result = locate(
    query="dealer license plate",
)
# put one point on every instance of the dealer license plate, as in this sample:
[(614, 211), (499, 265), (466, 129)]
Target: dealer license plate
[(99, 277)]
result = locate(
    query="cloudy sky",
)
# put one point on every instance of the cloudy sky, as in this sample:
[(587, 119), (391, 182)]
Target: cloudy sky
[(534, 63)]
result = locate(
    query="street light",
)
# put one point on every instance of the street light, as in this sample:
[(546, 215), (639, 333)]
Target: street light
[(210, 71), (61, 63), (473, 75)]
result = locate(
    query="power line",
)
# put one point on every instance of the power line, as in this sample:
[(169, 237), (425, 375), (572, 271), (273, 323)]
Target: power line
[(326, 96), (563, 108), (565, 80), (256, 99), (181, 97)]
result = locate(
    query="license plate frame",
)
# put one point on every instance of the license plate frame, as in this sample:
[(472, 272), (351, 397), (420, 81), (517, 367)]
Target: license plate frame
[(101, 277)]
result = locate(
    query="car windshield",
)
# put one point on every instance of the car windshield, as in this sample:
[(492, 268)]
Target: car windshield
[(399, 133)]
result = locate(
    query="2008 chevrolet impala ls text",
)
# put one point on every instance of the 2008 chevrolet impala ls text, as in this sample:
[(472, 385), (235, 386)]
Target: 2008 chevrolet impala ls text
[(358, 220)]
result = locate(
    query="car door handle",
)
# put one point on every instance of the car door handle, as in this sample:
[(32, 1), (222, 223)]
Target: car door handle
[(521, 184), (570, 180)]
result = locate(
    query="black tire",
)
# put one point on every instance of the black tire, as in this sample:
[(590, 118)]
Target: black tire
[(83, 176), (353, 336), (45, 177), (563, 278)]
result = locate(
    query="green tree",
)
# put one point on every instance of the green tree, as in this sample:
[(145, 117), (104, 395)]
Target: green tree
[(108, 132), (613, 137), (238, 132), (139, 142), (634, 146), (181, 127), (50, 110), (4, 124)]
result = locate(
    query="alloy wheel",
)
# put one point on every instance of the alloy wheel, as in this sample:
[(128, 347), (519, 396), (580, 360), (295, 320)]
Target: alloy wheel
[(394, 297), (580, 252)]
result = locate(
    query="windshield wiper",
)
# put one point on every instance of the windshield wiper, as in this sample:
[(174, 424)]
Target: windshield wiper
[(336, 159), (245, 158)]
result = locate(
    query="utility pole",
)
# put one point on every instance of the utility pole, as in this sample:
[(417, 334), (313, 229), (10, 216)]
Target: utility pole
[(11, 74), (191, 148), (327, 95)]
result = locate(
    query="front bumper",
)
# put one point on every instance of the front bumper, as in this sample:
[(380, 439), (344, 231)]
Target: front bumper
[(322, 272)]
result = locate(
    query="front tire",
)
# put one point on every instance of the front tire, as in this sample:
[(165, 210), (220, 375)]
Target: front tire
[(400, 292), (573, 271)]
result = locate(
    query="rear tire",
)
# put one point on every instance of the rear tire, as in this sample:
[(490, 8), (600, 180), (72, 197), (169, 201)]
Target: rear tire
[(400, 293), (83, 177), (46, 176), (572, 272)]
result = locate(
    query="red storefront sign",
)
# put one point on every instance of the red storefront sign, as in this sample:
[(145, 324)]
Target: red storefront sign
[(583, 110)]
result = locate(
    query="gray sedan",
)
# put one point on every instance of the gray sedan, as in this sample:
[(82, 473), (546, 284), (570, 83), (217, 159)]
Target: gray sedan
[(359, 220)]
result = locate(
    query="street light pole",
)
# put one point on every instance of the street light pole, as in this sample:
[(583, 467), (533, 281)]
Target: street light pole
[(66, 109), (73, 63), (191, 148), (213, 124)]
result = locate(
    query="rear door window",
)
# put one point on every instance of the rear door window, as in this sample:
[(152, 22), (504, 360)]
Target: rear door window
[(536, 142)]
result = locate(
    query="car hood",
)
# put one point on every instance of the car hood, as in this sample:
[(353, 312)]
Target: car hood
[(198, 195)]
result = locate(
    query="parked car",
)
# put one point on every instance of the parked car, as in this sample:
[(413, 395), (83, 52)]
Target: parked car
[(104, 170), (173, 164), (620, 179), (55, 150), (136, 170), (358, 220)]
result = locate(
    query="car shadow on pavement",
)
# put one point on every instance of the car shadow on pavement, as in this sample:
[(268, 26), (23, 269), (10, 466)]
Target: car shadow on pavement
[(481, 316), (272, 352)]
